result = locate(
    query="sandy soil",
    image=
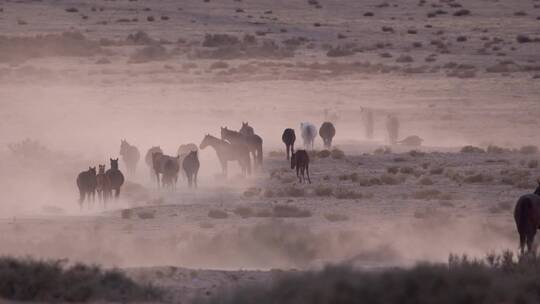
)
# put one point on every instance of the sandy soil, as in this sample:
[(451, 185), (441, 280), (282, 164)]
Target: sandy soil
[(469, 81)]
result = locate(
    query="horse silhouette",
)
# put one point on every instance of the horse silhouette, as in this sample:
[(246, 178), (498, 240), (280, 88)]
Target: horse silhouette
[(253, 142), (300, 161), (116, 177), (229, 152), (183, 151), (527, 217), (191, 165), (86, 182), (159, 162), (148, 159), (170, 172), (288, 138), (246, 129), (392, 126), (327, 131), (103, 185), (130, 155), (308, 132)]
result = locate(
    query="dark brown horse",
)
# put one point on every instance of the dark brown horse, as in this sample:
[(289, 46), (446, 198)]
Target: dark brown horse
[(116, 177), (86, 182), (527, 217), (130, 155), (191, 165), (163, 164), (288, 138), (327, 131), (170, 172), (246, 129), (228, 152), (103, 185), (254, 143), (300, 161)]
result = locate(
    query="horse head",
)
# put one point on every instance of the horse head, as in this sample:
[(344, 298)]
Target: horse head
[(101, 169), (114, 164), (205, 140), (92, 170)]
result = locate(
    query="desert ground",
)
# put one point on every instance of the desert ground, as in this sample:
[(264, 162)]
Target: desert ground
[(76, 77)]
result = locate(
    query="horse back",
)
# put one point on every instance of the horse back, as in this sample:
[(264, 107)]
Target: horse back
[(527, 211), (115, 177)]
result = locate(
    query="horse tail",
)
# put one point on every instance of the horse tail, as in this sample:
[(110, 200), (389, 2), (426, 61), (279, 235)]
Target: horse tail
[(521, 213)]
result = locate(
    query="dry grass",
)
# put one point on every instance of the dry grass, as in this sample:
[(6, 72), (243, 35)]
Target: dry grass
[(289, 211), (322, 190), (335, 217), (217, 214), (343, 193)]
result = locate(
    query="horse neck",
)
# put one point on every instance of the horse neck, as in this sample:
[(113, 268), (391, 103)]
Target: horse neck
[(537, 191)]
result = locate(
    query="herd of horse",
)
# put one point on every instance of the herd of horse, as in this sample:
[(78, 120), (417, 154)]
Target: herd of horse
[(244, 145)]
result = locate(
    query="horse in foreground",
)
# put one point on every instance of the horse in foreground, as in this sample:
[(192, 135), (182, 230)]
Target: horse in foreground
[(130, 155), (86, 182), (288, 138), (191, 165), (300, 161), (327, 132), (308, 132), (527, 217), (254, 143), (116, 177), (228, 152), (103, 185)]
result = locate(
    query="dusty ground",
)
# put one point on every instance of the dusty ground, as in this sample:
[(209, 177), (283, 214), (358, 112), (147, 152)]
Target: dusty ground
[(454, 80)]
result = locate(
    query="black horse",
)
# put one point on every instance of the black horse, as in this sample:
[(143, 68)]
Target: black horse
[(115, 177), (288, 138), (300, 161), (527, 217), (86, 182), (327, 132), (191, 165)]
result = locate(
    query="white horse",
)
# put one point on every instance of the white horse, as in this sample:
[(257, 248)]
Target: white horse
[(309, 132)]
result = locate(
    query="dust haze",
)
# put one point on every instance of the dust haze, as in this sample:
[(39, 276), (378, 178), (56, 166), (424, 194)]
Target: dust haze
[(77, 77)]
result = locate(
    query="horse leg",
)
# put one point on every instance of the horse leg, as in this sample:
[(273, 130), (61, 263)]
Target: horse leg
[(189, 177), (157, 177), (287, 148), (530, 239), (298, 174), (117, 193), (522, 241), (81, 198), (195, 179), (224, 167), (307, 172)]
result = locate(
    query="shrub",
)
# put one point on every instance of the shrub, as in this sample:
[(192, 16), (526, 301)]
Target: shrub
[(384, 150), (462, 12), (323, 154), (472, 149), (149, 53), (339, 51), (392, 170), (388, 179), (322, 190), (404, 59), (252, 191), (406, 170), (436, 171), (496, 149), (523, 38), (426, 181), (52, 281), (243, 212), (140, 38), (498, 278), (294, 191), (530, 149), (215, 40), (427, 194), (477, 178), (337, 154), (347, 194), (533, 163), (335, 217), (217, 214), (289, 211)]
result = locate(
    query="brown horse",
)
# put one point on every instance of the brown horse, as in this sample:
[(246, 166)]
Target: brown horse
[(289, 137), (254, 143), (86, 182), (300, 161), (228, 152), (191, 165), (527, 217), (148, 159), (130, 155), (170, 172), (103, 185), (164, 165), (116, 177)]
